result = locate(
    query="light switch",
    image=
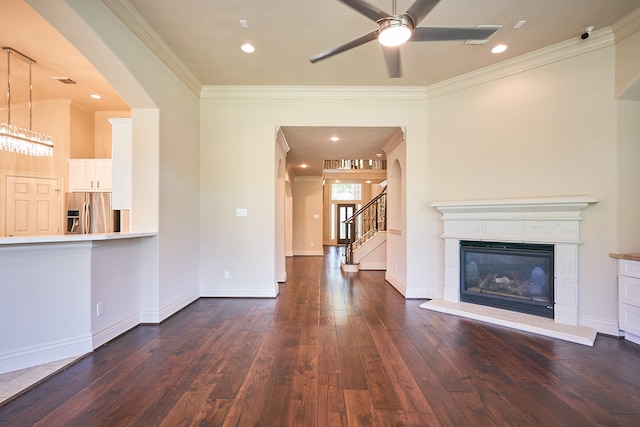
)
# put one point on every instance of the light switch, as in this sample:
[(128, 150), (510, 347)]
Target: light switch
[(241, 212), (316, 216)]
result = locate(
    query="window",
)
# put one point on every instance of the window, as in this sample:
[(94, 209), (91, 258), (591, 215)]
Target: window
[(346, 191)]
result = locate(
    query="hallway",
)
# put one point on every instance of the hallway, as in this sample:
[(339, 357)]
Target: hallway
[(335, 349)]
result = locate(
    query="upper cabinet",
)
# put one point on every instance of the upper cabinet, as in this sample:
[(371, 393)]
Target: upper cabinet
[(93, 175)]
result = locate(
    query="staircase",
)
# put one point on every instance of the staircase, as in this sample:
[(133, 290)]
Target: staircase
[(367, 236)]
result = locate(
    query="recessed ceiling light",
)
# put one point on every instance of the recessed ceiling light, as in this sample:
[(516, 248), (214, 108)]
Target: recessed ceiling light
[(304, 166), (334, 138), (95, 96), (499, 48), (248, 48), (368, 181)]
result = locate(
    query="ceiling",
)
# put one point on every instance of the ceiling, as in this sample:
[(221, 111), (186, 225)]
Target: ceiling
[(205, 38), (206, 35)]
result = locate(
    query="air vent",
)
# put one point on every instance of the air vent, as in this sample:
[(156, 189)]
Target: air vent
[(484, 41), (65, 80)]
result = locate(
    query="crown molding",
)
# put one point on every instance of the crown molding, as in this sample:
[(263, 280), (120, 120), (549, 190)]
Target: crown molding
[(417, 93), (133, 20), (627, 26), (282, 141), (539, 58), (395, 140)]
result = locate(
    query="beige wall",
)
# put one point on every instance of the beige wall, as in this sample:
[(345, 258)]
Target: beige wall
[(307, 215), (82, 133), (238, 123), (52, 118), (628, 175), (548, 130)]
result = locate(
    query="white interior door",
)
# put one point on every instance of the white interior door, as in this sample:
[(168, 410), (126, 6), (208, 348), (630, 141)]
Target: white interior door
[(33, 206)]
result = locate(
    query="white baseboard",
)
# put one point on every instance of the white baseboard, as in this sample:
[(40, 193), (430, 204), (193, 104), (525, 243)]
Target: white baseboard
[(239, 293), (310, 252), (45, 353), (400, 287), (115, 330), (604, 326), (164, 313)]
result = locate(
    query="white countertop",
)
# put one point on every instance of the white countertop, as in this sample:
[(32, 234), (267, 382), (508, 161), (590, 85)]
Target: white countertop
[(64, 238)]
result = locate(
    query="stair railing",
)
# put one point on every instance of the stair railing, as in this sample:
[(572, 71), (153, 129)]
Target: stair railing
[(365, 223)]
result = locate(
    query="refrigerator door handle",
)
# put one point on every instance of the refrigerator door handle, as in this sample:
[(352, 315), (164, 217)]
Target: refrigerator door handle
[(87, 218)]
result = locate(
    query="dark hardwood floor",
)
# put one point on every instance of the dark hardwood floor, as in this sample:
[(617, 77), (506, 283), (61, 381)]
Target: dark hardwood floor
[(335, 350)]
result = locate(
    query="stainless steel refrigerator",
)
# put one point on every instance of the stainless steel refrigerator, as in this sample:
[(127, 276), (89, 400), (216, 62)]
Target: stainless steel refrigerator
[(89, 213)]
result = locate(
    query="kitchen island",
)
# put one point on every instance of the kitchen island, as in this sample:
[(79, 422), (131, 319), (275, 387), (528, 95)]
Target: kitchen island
[(64, 295)]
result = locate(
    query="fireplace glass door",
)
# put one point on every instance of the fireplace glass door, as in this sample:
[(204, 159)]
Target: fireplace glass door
[(511, 276)]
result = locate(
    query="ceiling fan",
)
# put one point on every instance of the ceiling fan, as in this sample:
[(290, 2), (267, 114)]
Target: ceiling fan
[(394, 30)]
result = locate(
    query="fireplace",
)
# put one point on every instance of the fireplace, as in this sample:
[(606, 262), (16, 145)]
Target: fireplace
[(511, 276), (553, 221)]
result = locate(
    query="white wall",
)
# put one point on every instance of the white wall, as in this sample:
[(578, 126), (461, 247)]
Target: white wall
[(238, 123), (44, 309), (396, 273), (166, 140), (547, 127)]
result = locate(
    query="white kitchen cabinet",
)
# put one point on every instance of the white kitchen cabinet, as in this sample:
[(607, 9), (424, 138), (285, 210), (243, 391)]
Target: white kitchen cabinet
[(629, 295), (93, 175)]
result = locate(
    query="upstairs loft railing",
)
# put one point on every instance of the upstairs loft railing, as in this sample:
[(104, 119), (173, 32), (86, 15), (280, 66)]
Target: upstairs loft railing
[(355, 164), (365, 223)]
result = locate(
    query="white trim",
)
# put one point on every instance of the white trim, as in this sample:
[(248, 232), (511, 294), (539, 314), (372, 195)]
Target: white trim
[(45, 353), (400, 287), (308, 252), (539, 58), (627, 25), (113, 331), (315, 92), (238, 293), (552, 220), (153, 316), (139, 26)]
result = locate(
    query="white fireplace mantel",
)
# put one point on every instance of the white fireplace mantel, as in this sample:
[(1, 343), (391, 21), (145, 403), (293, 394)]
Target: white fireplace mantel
[(539, 220), (549, 220)]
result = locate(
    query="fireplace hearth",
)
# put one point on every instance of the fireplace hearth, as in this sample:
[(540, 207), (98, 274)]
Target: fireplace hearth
[(510, 276)]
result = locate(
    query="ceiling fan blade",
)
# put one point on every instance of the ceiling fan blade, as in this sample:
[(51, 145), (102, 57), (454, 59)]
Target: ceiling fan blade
[(392, 58), (350, 45), (419, 10), (431, 34), (368, 10)]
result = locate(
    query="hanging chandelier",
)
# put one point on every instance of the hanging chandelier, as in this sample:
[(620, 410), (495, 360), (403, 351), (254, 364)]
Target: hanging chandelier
[(17, 139)]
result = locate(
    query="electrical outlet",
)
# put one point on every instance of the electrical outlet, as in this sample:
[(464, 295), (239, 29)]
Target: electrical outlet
[(227, 275), (99, 309)]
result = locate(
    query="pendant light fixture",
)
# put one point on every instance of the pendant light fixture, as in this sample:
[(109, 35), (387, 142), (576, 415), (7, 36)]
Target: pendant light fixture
[(17, 139)]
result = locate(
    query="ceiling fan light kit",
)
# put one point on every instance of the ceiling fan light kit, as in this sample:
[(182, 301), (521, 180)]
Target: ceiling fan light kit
[(396, 29)]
